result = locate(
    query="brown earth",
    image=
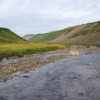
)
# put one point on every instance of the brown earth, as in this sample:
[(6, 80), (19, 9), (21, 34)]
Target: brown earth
[(63, 38), (27, 37), (91, 37)]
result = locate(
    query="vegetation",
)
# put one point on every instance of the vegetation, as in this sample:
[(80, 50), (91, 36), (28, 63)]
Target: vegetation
[(88, 46), (93, 28), (30, 35), (14, 49), (7, 36), (99, 22), (98, 30), (49, 36), (86, 30), (81, 32), (69, 30), (87, 26)]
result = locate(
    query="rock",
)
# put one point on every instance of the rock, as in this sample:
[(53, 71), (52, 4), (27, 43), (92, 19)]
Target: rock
[(26, 76), (74, 53), (2, 98), (88, 64), (4, 59), (26, 65), (15, 69), (81, 94), (4, 80)]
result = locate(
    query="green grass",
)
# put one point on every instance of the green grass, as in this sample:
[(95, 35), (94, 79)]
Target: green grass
[(14, 49), (30, 34), (85, 30), (98, 22), (7, 35), (87, 26), (81, 32), (93, 28), (40, 38), (98, 30), (69, 30)]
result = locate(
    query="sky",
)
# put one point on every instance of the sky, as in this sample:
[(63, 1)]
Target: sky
[(42, 16)]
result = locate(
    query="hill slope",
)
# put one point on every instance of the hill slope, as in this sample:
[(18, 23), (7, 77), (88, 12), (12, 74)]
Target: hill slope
[(82, 34), (49, 36), (7, 36), (28, 36)]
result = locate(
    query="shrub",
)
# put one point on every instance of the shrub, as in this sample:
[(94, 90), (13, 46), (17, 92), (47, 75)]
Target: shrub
[(88, 46)]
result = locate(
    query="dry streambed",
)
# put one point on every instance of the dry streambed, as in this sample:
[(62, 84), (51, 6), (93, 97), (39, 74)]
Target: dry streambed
[(7, 71), (76, 78)]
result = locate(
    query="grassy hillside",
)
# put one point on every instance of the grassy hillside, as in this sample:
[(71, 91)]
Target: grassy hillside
[(7, 36), (49, 36), (83, 34)]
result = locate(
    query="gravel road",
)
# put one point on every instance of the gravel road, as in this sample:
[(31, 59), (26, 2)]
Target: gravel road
[(76, 78)]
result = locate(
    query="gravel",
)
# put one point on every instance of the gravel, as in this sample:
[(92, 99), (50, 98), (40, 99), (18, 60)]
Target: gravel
[(75, 78)]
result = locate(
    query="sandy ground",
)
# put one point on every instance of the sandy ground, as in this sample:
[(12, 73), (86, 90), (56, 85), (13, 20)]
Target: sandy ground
[(75, 78)]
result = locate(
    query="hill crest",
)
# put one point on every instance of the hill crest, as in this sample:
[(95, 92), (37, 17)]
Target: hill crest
[(83, 34), (7, 36)]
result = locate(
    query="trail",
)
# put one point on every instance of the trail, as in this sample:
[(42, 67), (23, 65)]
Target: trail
[(76, 78)]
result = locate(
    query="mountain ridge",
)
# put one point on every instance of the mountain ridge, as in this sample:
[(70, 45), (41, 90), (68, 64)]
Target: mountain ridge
[(7, 36), (82, 34)]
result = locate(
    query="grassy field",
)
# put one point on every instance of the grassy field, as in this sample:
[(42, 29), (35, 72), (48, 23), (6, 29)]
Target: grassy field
[(14, 49)]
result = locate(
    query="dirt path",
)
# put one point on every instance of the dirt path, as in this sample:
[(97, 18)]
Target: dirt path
[(77, 78)]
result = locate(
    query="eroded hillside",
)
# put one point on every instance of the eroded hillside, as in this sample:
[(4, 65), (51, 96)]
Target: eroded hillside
[(29, 36), (82, 34)]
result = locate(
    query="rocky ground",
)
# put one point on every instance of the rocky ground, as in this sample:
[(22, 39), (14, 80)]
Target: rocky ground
[(9, 70), (76, 78)]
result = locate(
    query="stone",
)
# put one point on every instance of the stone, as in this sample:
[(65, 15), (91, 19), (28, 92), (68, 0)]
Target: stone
[(74, 53), (2, 98), (4, 59)]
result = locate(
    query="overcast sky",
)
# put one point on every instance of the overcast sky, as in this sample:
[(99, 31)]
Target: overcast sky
[(41, 16)]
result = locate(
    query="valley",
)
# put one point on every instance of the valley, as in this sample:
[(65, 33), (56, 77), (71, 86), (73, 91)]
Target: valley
[(59, 65), (82, 34)]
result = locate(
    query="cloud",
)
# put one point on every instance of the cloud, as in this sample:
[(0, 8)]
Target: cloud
[(41, 16)]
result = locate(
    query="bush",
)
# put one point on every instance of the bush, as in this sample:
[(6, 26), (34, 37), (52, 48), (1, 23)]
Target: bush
[(88, 46)]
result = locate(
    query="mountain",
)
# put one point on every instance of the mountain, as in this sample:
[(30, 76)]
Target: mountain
[(7, 36), (83, 34), (28, 36)]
